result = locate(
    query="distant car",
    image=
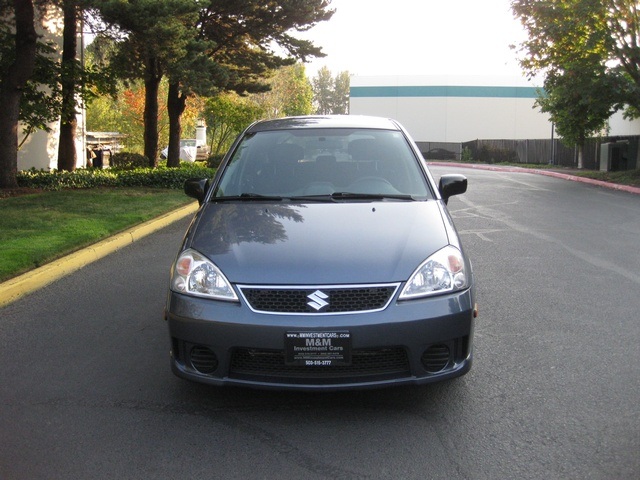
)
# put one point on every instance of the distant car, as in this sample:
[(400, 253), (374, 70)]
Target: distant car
[(322, 257), (190, 151), (440, 154)]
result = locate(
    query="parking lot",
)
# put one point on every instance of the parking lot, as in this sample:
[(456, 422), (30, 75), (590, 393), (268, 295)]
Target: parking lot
[(86, 390)]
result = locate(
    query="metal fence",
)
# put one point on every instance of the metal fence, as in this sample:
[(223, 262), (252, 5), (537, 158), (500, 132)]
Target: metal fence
[(440, 150), (624, 151)]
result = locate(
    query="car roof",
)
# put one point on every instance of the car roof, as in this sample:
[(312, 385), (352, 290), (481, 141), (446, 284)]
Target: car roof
[(325, 121)]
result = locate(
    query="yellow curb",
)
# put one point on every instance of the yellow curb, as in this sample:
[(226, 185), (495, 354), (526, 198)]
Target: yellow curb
[(17, 287)]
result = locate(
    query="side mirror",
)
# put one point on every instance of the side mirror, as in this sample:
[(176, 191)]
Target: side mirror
[(452, 185), (196, 188)]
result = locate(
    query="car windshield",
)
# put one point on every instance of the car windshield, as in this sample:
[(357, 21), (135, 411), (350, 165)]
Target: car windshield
[(315, 163)]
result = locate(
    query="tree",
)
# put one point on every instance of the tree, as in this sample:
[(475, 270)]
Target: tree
[(341, 93), (624, 27), (227, 47), (236, 38), (234, 48), (67, 157), (244, 34), (226, 115), (588, 52), (568, 44), (18, 66), (40, 103), (579, 101), (296, 91), (75, 80), (196, 73), (123, 111), (331, 95), (153, 34), (289, 93), (131, 106), (323, 91)]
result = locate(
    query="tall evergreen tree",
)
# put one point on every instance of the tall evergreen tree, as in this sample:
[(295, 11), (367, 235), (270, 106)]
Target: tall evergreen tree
[(226, 46), (18, 63), (69, 79), (236, 39), (154, 35), (76, 81)]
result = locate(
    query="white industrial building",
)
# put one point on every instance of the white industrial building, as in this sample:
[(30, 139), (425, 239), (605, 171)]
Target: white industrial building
[(451, 110), (461, 108)]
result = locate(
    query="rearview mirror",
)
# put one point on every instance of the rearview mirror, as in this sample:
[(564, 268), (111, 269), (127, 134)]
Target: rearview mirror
[(452, 184), (196, 188)]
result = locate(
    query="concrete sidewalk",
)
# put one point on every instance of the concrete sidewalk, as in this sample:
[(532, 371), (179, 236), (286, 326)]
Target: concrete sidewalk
[(17, 287)]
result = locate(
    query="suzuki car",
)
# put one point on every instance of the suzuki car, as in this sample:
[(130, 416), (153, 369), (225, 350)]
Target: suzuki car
[(322, 257)]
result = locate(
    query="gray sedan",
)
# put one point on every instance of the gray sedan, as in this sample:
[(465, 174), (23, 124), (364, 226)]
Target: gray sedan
[(322, 257)]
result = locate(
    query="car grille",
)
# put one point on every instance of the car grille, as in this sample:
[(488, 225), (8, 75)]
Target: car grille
[(318, 300), (366, 364)]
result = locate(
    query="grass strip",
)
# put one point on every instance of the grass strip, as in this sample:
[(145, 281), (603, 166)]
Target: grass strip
[(625, 177), (38, 228)]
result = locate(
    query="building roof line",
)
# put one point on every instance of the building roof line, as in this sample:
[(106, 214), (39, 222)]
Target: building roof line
[(443, 91)]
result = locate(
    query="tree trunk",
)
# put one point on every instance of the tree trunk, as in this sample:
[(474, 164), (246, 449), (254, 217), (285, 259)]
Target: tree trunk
[(11, 82), (581, 155), (581, 142), (176, 104), (152, 85), (67, 156)]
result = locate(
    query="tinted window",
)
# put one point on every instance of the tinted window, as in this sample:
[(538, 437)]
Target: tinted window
[(323, 161)]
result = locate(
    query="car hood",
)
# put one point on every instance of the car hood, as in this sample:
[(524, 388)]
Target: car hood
[(318, 243)]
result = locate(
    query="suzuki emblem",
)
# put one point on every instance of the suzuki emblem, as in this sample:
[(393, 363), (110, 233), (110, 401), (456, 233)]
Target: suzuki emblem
[(318, 300)]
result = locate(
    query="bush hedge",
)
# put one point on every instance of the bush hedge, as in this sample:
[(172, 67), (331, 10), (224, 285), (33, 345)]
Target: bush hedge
[(128, 161), (161, 177), (214, 160), (495, 155)]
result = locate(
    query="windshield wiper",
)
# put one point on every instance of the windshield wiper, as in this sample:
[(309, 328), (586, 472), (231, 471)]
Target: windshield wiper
[(247, 197), (337, 196), (330, 197), (372, 196), (311, 198)]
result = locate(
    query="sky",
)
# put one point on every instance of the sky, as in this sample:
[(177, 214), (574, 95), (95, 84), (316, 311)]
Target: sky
[(418, 37)]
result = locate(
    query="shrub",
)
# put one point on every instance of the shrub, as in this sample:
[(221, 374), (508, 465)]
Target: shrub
[(214, 160), (56, 180), (128, 161), (496, 155), (467, 155), (161, 177)]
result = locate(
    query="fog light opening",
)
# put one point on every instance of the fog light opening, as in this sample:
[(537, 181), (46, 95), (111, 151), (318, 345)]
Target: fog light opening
[(436, 358), (203, 359)]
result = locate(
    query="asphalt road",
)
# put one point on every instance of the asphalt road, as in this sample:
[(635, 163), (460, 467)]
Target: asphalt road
[(86, 391)]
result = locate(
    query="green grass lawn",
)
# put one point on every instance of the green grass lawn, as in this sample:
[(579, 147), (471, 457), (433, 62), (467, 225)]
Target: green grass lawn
[(38, 228), (626, 177)]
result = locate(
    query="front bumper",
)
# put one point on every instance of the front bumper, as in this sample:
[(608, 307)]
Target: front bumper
[(411, 342)]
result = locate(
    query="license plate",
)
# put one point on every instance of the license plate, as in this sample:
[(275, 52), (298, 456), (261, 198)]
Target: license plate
[(318, 349)]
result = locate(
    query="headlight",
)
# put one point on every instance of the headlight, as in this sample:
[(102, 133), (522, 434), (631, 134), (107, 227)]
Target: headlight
[(442, 272), (193, 274)]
